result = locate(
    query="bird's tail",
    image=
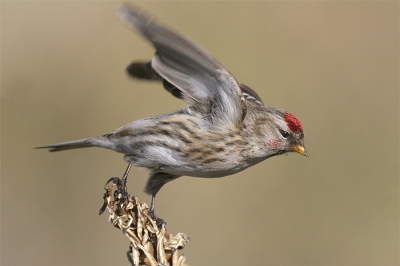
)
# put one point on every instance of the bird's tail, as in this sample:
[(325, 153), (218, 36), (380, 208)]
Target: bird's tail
[(74, 144)]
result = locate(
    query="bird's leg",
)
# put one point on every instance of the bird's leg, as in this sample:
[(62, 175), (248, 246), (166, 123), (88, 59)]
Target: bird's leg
[(121, 185), (154, 183), (153, 203), (120, 192), (152, 215), (124, 178)]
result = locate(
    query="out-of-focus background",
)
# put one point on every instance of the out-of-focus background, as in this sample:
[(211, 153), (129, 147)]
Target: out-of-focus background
[(334, 64)]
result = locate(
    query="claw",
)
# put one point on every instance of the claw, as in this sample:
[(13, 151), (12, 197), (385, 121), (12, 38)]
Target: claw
[(106, 196), (116, 180), (120, 194), (159, 221), (103, 208)]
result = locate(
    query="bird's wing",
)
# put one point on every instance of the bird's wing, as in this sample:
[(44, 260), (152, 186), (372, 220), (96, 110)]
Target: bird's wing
[(208, 88), (143, 70), (250, 95)]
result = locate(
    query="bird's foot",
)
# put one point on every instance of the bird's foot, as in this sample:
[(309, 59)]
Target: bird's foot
[(121, 192), (115, 187), (159, 221)]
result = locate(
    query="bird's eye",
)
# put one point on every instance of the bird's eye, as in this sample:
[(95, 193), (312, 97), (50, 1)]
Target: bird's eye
[(284, 133)]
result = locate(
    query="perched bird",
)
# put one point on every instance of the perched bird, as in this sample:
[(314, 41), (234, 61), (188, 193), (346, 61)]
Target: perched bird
[(224, 128)]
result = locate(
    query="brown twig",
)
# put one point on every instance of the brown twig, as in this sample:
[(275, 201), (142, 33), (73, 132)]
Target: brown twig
[(150, 245)]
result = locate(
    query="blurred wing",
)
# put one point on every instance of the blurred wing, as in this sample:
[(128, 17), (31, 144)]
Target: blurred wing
[(207, 86), (144, 70)]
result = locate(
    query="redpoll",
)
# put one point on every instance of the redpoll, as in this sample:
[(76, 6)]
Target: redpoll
[(224, 129)]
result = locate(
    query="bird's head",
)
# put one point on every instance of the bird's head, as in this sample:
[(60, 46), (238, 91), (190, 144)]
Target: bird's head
[(289, 133), (280, 131)]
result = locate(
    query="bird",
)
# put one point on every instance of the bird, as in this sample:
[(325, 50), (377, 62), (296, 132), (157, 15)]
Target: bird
[(223, 129)]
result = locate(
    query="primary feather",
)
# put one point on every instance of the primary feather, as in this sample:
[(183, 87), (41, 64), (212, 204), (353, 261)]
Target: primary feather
[(207, 86)]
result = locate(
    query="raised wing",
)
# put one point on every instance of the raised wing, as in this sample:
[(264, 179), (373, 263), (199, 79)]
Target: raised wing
[(143, 70), (250, 95), (208, 88)]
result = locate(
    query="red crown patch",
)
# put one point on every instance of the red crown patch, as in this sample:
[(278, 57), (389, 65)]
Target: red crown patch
[(293, 123)]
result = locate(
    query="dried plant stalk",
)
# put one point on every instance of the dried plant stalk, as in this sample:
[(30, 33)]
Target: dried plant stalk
[(150, 245)]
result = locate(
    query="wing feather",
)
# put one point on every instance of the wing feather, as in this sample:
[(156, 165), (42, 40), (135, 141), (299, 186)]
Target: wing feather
[(207, 86)]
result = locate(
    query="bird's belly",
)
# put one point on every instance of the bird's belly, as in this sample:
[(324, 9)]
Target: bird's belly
[(207, 171)]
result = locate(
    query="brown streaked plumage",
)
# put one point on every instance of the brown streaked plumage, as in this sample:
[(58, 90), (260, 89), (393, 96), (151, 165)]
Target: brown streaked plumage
[(224, 129)]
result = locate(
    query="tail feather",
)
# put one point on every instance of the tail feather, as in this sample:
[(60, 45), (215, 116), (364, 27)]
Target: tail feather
[(74, 144)]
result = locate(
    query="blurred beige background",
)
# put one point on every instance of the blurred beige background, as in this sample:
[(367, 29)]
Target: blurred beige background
[(334, 64)]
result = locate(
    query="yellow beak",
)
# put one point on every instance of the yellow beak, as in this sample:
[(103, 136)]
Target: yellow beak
[(299, 149)]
